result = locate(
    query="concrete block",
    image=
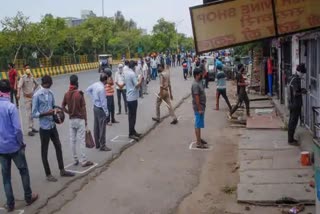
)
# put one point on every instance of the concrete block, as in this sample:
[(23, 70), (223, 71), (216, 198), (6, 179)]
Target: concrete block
[(255, 154), (268, 193), (283, 176), (255, 164)]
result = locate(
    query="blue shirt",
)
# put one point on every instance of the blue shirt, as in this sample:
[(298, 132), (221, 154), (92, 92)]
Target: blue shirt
[(131, 81), (98, 95), (42, 102), (221, 79), (11, 138)]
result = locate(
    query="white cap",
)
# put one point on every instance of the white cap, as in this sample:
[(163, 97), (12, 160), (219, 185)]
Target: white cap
[(120, 66)]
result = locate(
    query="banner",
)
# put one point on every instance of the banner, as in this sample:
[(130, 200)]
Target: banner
[(235, 22), (229, 23), (297, 15)]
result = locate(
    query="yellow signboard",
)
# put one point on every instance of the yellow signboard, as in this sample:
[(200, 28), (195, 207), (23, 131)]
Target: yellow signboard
[(297, 15), (233, 22)]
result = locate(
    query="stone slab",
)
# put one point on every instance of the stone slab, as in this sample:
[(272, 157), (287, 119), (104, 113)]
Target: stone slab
[(255, 155), (264, 122), (268, 193), (264, 144), (256, 164), (284, 176), (287, 159)]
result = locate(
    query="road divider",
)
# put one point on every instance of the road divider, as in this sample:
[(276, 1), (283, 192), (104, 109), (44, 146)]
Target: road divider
[(55, 71)]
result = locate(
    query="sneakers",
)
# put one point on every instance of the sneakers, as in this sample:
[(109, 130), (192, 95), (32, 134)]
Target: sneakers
[(137, 135), (87, 163), (118, 113), (115, 121), (64, 173), (9, 208), (35, 131), (174, 122), (133, 137), (50, 178), (294, 143), (156, 119), (31, 134), (76, 163), (105, 149), (34, 197)]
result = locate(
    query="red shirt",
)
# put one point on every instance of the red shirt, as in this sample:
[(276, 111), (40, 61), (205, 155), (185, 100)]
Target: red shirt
[(12, 77)]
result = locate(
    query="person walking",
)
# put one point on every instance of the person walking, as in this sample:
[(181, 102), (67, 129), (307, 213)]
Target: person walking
[(13, 78), (145, 76), (154, 68), (295, 102), (179, 59), (121, 89), (199, 105), (185, 69), (100, 110), (27, 84), (133, 84), (109, 87), (221, 87), (12, 148), (74, 104), (168, 61), (173, 60), (165, 95), (43, 105), (243, 96)]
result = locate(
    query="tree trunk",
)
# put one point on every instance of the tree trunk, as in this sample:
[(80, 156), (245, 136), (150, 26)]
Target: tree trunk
[(17, 53)]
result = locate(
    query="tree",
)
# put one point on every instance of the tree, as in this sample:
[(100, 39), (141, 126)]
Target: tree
[(14, 33), (164, 35), (74, 37), (47, 35)]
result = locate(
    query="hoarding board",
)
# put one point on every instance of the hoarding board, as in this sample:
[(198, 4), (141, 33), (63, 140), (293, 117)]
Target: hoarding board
[(297, 15), (229, 23)]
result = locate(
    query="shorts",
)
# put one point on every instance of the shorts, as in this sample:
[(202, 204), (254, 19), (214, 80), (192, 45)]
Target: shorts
[(198, 120)]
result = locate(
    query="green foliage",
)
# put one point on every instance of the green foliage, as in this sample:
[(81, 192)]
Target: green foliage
[(51, 36)]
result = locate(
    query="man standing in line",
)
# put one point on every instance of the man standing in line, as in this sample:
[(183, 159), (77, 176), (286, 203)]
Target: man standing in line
[(243, 96), (100, 110), (154, 68), (165, 95), (74, 104), (145, 76), (173, 60), (13, 78), (133, 84), (28, 85), (295, 102), (121, 88), (179, 59), (221, 87), (43, 104), (12, 148), (110, 98), (199, 106)]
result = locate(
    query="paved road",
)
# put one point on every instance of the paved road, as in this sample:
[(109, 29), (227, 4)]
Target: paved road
[(144, 123)]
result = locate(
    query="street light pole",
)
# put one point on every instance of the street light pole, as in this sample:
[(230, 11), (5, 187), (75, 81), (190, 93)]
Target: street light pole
[(102, 8)]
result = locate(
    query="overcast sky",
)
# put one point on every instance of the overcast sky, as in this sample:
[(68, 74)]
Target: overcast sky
[(144, 12)]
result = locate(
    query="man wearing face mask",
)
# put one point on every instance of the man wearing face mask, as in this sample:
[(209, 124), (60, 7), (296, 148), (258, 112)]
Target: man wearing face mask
[(295, 102), (121, 88), (43, 105), (27, 84), (100, 110)]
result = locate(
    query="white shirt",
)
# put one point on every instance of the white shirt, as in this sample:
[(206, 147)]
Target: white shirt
[(119, 78), (145, 70), (153, 63)]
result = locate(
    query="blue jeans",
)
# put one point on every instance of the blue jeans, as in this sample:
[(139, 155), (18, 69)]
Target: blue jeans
[(19, 160), (154, 73)]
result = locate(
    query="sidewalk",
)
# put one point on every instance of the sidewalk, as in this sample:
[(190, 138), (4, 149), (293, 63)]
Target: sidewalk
[(270, 169)]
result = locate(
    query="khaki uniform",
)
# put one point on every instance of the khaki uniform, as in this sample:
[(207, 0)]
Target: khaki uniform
[(27, 85), (164, 84)]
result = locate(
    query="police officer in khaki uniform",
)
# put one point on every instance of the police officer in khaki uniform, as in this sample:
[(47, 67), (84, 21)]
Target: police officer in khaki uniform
[(27, 84), (165, 94)]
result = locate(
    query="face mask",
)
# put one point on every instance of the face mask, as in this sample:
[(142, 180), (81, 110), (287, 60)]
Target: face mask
[(28, 72)]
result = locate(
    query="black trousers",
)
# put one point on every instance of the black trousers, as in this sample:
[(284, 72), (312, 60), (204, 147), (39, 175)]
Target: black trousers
[(110, 103), (45, 137), (293, 122), (100, 123), (243, 97), (13, 95), (122, 92), (132, 116), (185, 73), (222, 92), (207, 80)]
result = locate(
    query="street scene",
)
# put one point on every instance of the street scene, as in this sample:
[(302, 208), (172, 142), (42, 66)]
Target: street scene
[(184, 107)]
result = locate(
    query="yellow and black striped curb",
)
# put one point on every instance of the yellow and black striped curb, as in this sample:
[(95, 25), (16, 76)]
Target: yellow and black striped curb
[(54, 71)]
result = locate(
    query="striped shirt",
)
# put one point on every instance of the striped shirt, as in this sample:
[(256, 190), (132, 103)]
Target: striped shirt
[(109, 89)]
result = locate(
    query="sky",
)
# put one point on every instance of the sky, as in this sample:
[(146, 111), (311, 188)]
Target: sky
[(144, 12)]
